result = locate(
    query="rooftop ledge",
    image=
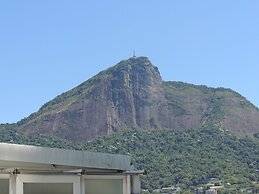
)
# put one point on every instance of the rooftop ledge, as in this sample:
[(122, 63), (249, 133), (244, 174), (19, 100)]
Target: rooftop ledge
[(34, 158)]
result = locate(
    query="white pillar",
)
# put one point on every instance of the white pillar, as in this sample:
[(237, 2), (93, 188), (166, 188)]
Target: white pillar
[(12, 184), (19, 185), (15, 185), (128, 184), (76, 185), (82, 185)]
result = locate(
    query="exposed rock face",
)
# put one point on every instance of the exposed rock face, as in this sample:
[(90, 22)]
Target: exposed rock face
[(132, 94)]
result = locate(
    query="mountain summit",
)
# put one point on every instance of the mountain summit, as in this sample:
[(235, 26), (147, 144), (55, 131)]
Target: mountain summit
[(132, 94)]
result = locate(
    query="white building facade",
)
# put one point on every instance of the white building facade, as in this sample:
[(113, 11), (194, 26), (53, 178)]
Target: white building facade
[(36, 170)]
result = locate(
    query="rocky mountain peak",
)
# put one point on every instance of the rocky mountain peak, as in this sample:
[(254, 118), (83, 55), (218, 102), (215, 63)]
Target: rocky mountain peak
[(137, 68), (128, 89), (116, 98), (132, 94)]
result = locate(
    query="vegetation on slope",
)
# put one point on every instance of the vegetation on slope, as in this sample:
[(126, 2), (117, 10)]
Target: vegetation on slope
[(186, 158)]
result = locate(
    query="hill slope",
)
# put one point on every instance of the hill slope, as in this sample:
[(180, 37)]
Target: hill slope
[(185, 158), (132, 94)]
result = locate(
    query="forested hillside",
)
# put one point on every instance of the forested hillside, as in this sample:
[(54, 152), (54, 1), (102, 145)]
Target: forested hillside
[(185, 158)]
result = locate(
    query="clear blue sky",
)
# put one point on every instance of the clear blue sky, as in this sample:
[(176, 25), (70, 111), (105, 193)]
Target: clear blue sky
[(50, 46)]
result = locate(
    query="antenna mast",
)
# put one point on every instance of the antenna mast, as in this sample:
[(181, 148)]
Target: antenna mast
[(134, 55)]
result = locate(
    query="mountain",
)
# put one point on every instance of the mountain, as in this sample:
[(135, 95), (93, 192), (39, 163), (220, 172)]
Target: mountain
[(132, 94), (182, 134)]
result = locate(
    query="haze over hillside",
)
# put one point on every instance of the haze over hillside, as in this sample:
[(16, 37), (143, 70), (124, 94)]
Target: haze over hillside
[(132, 94)]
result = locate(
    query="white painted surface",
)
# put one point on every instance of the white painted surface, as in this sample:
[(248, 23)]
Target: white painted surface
[(65, 184)]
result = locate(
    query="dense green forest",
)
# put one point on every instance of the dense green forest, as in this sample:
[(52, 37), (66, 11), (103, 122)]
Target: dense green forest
[(186, 158)]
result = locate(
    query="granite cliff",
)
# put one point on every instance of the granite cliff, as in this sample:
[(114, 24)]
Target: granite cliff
[(132, 94)]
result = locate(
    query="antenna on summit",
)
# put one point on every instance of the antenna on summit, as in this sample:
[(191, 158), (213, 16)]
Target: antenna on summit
[(134, 55)]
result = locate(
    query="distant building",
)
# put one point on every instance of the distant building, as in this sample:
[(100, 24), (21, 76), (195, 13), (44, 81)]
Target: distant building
[(199, 190), (211, 191), (156, 191), (170, 190), (36, 170)]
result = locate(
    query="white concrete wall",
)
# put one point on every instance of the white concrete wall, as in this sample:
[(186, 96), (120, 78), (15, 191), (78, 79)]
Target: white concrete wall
[(20, 182)]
